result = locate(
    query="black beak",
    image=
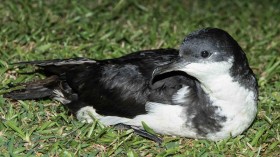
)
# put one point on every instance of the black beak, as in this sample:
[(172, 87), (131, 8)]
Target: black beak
[(176, 65)]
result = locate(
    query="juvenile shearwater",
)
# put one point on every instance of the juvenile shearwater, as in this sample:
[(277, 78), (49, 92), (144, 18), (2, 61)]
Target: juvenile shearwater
[(204, 90)]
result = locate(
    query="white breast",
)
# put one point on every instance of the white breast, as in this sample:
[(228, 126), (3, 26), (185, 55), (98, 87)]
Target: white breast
[(235, 102)]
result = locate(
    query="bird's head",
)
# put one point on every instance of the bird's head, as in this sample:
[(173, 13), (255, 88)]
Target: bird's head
[(206, 54)]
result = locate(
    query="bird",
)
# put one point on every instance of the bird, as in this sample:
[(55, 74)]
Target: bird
[(205, 89)]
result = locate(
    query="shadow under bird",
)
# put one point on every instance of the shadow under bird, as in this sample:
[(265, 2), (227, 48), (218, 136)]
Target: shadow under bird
[(204, 90)]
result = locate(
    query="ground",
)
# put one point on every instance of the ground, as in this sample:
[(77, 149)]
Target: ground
[(38, 29)]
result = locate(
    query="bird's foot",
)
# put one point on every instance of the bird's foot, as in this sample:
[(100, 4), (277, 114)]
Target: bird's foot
[(139, 132)]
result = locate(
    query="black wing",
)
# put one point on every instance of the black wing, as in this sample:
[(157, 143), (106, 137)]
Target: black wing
[(119, 87)]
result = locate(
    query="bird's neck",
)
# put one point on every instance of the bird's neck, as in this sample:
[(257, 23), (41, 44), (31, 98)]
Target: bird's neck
[(223, 87)]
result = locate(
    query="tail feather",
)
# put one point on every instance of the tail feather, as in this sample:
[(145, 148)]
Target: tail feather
[(55, 70), (25, 94), (58, 62), (35, 90), (58, 66)]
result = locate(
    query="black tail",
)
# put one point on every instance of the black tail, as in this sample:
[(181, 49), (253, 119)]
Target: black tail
[(54, 69), (34, 90), (57, 66)]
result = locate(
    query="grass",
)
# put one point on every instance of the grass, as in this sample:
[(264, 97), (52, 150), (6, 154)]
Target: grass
[(37, 29)]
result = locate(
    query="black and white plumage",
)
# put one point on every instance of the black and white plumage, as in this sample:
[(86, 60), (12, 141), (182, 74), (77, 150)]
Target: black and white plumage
[(204, 90)]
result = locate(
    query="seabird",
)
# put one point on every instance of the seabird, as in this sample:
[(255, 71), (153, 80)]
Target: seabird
[(204, 90)]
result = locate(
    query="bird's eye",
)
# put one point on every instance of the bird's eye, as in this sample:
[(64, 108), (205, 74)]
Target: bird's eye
[(204, 54)]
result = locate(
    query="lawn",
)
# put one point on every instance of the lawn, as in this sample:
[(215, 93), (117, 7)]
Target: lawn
[(38, 29)]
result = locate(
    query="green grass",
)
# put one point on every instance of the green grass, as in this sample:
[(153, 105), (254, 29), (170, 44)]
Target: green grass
[(38, 29)]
